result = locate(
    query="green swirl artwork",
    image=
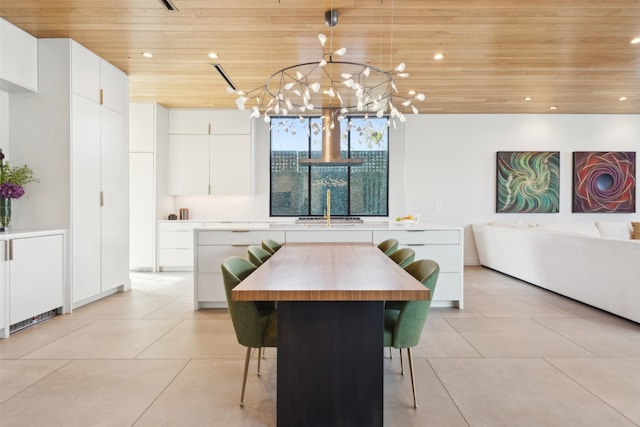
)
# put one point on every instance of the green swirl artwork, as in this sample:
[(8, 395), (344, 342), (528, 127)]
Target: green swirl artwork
[(528, 182)]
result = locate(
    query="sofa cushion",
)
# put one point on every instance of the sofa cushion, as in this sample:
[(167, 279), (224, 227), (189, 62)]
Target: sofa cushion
[(635, 235), (614, 230)]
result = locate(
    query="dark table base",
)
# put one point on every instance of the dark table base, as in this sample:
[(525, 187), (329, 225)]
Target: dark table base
[(330, 363)]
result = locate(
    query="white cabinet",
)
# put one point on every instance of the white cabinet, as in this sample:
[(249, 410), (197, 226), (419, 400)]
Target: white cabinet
[(18, 58), (209, 152), (213, 246), (147, 150), (175, 245), (83, 166), (32, 278), (445, 246), (209, 122), (188, 172), (328, 235)]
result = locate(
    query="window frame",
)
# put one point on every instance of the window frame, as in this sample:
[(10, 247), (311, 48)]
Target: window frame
[(308, 119)]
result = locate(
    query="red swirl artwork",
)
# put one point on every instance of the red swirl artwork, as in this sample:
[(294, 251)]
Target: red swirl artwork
[(604, 181)]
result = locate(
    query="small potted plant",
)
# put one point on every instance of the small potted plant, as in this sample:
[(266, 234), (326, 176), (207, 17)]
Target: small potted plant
[(12, 182)]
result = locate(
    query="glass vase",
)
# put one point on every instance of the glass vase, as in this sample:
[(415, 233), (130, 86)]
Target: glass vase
[(5, 212)]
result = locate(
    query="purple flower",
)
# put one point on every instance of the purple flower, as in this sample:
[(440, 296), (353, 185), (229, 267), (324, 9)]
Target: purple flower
[(9, 190)]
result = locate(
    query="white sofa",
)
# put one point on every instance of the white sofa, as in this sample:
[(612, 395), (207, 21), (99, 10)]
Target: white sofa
[(577, 260)]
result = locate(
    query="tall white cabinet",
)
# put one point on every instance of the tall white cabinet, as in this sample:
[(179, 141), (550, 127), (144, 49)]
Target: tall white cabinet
[(74, 134), (209, 152)]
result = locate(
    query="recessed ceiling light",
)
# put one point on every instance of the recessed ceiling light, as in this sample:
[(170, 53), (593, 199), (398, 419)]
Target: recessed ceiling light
[(213, 55), (622, 98), (147, 54), (438, 56), (527, 98), (553, 107), (636, 40)]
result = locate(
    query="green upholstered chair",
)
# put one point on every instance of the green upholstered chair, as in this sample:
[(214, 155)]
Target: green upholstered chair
[(403, 256), (257, 255), (253, 328), (402, 328), (388, 246), (271, 246)]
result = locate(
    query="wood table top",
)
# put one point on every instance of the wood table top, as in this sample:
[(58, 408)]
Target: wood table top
[(330, 272)]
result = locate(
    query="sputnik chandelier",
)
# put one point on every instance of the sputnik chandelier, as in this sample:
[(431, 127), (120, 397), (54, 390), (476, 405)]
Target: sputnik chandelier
[(345, 88)]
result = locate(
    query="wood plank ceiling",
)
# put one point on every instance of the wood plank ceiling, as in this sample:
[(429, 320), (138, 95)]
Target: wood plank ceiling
[(575, 55)]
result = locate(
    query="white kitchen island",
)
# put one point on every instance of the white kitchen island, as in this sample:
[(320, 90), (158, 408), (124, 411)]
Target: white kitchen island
[(443, 244)]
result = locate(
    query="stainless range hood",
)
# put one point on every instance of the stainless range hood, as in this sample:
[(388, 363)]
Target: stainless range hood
[(330, 155)]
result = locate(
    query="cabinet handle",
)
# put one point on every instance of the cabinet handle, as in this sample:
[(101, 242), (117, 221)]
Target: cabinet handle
[(416, 244), (239, 231), (209, 129), (209, 189), (101, 97), (6, 250), (10, 250), (101, 199), (240, 246)]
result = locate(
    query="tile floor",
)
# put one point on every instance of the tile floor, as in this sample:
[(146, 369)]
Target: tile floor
[(515, 356)]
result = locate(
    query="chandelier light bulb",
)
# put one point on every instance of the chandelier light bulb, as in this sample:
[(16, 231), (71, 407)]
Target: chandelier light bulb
[(315, 87), (403, 75), (322, 38), (240, 102), (415, 110), (341, 51), (366, 72), (420, 97), (289, 85), (346, 76), (400, 68), (322, 63)]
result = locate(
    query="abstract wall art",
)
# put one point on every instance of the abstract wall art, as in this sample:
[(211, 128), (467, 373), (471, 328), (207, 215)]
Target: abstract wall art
[(604, 181), (528, 182)]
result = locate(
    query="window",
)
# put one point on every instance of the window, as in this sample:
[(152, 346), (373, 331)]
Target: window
[(300, 190)]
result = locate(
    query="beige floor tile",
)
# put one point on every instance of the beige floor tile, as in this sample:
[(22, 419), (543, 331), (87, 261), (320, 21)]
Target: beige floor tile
[(440, 339), (17, 375), (521, 392), (106, 339), (27, 340), (606, 337), (197, 339), (91, 393), (615, 381), (182, 308), (207, 393), (118, 307), (435, 406), (515, 338), (512, 306)]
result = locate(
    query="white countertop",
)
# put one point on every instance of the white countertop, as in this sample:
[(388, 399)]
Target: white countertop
[(291, 225)]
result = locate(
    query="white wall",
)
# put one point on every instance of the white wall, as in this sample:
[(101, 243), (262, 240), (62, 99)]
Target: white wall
[(453, 158), (450, 161)]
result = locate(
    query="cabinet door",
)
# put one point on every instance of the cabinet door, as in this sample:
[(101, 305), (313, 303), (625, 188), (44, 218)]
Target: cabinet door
[(18, 57), (230, 162), (142, 211), (85, 72), (114, 180), (36, 276), (230, 122), (188, 171), (4, 303), (189, 122), (112, 82), (85, 197)]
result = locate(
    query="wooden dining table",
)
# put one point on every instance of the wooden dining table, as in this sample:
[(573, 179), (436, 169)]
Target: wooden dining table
[(330, 329)]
